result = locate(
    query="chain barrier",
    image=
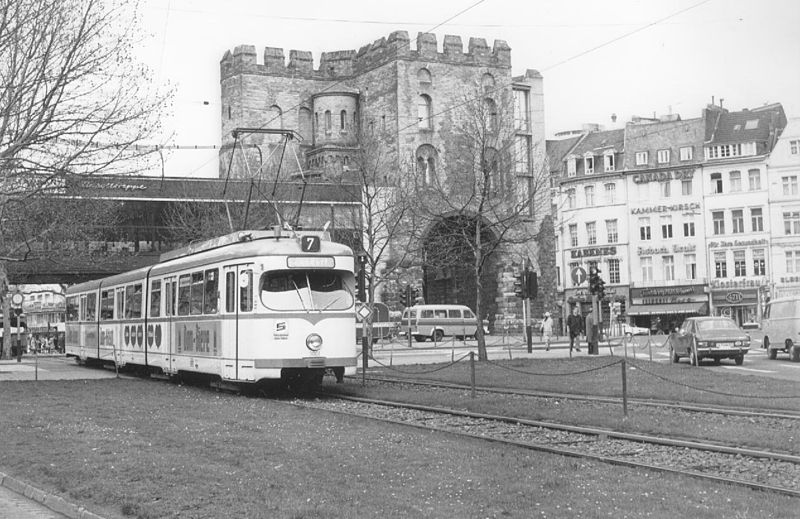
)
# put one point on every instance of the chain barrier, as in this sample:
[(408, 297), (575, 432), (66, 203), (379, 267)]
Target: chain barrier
[(581, 372), (705, 390), (428, 372)]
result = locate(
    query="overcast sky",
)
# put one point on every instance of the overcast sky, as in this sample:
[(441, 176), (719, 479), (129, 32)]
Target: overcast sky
[(598, 57)]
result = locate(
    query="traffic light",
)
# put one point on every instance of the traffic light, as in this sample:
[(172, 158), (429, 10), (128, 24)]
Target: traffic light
[(596, 284), (519, 285), (531, 285)]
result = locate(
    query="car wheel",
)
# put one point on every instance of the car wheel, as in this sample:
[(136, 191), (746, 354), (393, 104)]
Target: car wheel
[(772, 354), (739, 360), (673, 355), (717, 361), (437, 335), (794, 351)]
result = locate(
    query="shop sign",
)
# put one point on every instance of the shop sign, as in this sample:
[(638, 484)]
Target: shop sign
[(738, 243), (669, 295), (676, 249), (734, 297), (662, 176), (691, 206), (593, 251), (790, 279), (738, 283)]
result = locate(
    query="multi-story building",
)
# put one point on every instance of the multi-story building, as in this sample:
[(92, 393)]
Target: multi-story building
[(735, 178), (783, 167), (695, 197), (290, 119)]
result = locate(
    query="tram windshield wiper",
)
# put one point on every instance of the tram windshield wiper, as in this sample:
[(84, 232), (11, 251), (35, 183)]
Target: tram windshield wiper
[(299, 295)]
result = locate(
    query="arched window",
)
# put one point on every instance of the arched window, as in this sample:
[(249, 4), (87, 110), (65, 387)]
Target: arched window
[(343, 120), (424, 77), (275, 117), (487, 83), (491, 114), (328, 121), (304, 119), (424, 112), (491, 175), (426, 164)]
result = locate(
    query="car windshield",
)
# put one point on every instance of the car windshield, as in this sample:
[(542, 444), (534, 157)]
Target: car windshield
[(716, 324), (310, 290)]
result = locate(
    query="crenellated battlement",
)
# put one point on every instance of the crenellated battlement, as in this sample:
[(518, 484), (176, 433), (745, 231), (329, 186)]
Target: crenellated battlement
[(346, 63)]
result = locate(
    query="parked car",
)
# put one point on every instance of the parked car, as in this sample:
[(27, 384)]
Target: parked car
[(629, 329), (781, 325), (709, 337)]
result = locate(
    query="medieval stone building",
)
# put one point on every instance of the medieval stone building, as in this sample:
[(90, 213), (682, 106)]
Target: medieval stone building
[(292, 120)]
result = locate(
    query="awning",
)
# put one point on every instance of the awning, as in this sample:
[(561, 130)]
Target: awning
[(669, 308)]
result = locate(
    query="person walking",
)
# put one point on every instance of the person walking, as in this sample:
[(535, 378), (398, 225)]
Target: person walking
[(547, 330), (575, 327)]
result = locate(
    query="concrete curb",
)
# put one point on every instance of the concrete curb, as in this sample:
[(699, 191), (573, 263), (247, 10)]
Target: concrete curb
[(51, 501)]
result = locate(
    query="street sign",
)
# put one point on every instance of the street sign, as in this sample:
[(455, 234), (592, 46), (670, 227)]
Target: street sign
[(17, 299), (578, 275), (363, 313)]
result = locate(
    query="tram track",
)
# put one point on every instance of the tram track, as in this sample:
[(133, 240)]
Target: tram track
[(632, 402), (757, 469)]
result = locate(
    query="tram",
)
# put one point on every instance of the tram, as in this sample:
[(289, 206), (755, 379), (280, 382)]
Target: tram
[(239, 309)]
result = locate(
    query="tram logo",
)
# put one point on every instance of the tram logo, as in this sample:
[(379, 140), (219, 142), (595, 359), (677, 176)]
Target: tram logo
[(280, 331)]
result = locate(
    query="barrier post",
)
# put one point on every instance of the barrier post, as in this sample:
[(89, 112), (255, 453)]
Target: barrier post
[(624, 389), (472, 372), (650, 349)]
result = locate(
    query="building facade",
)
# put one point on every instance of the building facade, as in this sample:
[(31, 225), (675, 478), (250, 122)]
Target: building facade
[(284, 118), (692, 218)]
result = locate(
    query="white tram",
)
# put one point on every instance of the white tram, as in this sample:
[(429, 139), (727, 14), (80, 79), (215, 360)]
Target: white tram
[(242, 308)]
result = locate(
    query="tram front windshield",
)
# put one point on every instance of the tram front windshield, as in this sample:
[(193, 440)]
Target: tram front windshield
[(310, 290)]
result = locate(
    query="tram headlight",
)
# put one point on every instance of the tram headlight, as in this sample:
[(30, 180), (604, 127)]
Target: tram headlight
[(314, 342)]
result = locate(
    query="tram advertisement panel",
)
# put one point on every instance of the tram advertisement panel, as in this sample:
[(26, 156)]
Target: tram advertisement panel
[(196, 338)]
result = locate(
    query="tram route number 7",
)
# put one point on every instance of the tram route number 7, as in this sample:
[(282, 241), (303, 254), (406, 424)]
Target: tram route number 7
[(309, 243)]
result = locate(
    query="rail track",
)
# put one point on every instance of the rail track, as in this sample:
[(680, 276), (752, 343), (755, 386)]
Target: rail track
[(793, 417), (767, 471)]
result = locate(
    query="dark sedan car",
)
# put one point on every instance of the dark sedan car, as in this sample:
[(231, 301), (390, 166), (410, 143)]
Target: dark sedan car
[(709, 337)]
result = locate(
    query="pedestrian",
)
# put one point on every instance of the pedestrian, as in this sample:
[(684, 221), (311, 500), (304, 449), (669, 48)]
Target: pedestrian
[(575, 327), (547, 330)]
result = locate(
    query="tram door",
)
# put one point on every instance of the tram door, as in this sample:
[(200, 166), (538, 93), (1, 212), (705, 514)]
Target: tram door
[(170, 297), (238, 302)]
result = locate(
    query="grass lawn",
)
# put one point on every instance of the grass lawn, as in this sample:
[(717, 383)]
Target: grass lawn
[(147, 449)]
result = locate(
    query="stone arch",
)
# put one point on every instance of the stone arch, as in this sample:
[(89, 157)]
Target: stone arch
[(305, 124), (487, 83), (424, 77), (424, 112), (426, 161), (449, 256)]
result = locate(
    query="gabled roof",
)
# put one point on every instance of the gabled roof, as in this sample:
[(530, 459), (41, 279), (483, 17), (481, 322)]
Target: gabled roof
[(558, 149), (757, 125), (598, 142)]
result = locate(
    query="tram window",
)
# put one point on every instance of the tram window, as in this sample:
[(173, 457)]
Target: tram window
[(169, 296), (133, 301), (246, 290), (120, 312), (72, 308), (184, 292), (307, 289), (197, 293), (210, 297), (230, 292), (155, 298), (91, 307), (106, 305)]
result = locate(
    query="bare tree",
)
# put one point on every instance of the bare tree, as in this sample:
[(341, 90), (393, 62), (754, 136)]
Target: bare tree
[(73, 100), (485, 199)]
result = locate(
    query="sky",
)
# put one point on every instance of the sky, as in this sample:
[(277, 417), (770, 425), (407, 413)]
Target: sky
[(598, 58)]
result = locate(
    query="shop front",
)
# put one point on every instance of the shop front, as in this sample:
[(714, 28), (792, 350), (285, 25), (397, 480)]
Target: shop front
[(662, 309), (740, 299)]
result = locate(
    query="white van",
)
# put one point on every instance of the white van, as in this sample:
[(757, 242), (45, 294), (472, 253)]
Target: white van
[(781, 326), (438, 321)]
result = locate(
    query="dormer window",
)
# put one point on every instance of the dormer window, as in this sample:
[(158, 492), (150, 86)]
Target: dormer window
[(571, 167), (609, 164), (663, 156), (588, 164), (641, 158)]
